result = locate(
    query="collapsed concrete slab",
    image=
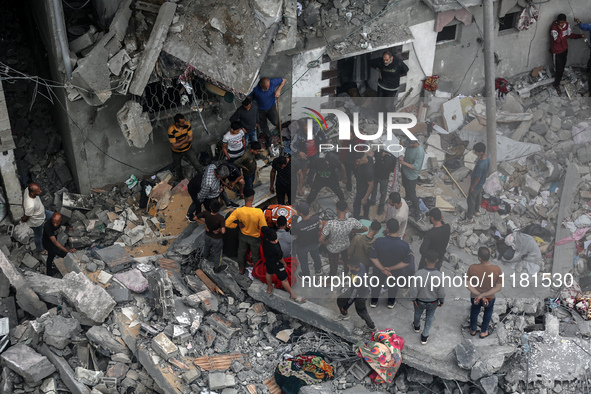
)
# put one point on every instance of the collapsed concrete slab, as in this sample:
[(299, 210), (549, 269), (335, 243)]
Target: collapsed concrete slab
[(66, 373), (563, 254), (88, 298), (25, 296), (105, 342), (135, 124), (58, 330), (29, 364), (153, 48), (186, 243), (93, 77), (224, 280), (115, 257), (47, 288)]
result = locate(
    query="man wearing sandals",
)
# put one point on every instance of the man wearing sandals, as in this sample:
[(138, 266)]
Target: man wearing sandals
[(484, 281)]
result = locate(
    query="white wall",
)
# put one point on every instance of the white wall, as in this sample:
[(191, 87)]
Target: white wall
[(310, 84)]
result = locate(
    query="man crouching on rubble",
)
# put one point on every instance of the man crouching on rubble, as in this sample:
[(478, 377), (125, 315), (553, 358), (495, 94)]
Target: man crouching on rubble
[(51, 244)]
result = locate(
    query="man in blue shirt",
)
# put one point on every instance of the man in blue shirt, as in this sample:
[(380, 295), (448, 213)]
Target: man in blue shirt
[(411, 166), (479, 174), (391, 256), (265, 95), (586, 27)]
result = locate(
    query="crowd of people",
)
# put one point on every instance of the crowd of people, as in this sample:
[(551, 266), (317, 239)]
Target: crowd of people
[(358, 243)]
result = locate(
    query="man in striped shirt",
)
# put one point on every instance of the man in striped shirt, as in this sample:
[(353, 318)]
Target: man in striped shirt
[(180, 136)]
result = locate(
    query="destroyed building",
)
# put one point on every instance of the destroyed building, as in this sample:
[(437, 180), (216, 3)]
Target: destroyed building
[(137, 311)]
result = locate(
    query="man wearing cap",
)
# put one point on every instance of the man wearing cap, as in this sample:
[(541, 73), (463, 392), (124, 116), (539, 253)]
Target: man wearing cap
[(204, 188), (306, 233), (559, 33), (436, 239), (266, 94), (248, 115), (250, 220), (411, 166)]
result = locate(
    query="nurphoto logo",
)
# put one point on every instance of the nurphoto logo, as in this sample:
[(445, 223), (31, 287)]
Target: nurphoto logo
[(344, 124)]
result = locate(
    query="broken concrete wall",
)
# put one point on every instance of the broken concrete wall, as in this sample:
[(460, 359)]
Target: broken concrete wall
[(104, 10), (453, 59)]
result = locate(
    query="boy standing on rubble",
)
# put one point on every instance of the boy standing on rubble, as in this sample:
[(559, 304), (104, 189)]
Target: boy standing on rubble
[(427, 294), (215, 229)]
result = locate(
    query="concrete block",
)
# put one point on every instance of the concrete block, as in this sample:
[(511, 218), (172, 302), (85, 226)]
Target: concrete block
[(161, 376), (460, 173), (115, 257), (93, 75), (26, 362), (133, 280), (106, 342), (223, 326), (25, 296), (506, 168), (88, 298), (321, 388), (530, 185), (466, 354), (220, 380), (84, 41), (135, 124), (59, 331), (164, 346), (191, 376), (116, 63), (66, 372), (29, 261), (88, 377), (120, 295), (72, 262), (224, 280), (121, 19), (489, 384), (153, 48), (521, 130)]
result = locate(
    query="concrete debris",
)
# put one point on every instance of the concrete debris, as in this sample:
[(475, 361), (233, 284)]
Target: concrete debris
[(88, 298), (29, 364), (135, 124)]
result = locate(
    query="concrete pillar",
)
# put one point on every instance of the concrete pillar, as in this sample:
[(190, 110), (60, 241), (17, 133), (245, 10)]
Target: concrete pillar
[(8, 171), (489, 78)]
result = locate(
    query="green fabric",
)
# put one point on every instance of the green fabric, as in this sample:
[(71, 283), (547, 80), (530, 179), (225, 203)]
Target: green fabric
[(415, 157)]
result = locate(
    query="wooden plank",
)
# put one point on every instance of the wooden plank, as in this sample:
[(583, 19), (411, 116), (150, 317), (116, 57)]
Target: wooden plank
[(220, 363), (328, 91), (210, 285), (272, 385), (328, 74)]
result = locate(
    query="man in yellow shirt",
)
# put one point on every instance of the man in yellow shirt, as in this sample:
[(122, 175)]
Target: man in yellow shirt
[(180, 136), (250, 220)]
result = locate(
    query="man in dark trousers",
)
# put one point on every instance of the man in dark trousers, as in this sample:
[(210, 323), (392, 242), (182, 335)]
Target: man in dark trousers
[(559, 33), (215, 228), (391, 256), (482, 292), (384, 164), (306, 232), (391, 68), (248, 115), (280, 182), (326, 174), (51, 244), (205, 188), (248, 163), (411, 166), (180, 136), (266, 94), (436, 239), (364, 176), (477, 180)]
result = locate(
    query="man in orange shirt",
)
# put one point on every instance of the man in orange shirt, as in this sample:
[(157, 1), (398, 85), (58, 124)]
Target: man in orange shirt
[(484, 281), (250, 220), (180, 136)]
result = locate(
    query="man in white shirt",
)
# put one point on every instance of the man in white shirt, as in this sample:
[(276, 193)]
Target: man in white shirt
[(35, 213), (398, 209)]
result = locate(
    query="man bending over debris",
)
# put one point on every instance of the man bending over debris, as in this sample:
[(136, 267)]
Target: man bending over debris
[(276, 264), (214, 234), (180, 136), (51, 244), (484, 281), (251, 220)]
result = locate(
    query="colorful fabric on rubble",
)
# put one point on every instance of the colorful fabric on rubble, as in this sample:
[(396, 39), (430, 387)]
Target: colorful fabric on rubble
[(305, 369), (383, 354)]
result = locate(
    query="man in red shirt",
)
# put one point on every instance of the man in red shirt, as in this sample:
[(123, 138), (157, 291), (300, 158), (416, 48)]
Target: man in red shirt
[(559, 33)]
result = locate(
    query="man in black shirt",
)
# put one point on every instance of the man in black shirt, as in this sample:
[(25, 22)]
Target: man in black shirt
[(326, 175), (364, 174), (215, 228), (248, 115), (234, 178), (281, 178), (51, 244), (384, 164), (391, 68), (307, 233), (436, 238)]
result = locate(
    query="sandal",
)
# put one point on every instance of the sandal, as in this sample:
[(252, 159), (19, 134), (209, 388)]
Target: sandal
[(299, 300), (473, 333), (490, 330)]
